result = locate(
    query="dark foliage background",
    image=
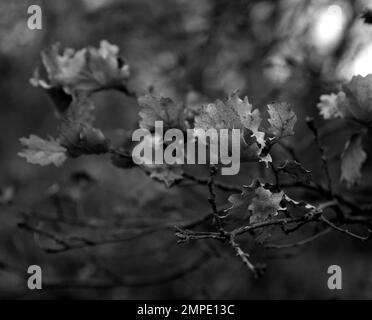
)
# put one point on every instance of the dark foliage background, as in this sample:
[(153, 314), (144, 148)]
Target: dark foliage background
[(192, 51)]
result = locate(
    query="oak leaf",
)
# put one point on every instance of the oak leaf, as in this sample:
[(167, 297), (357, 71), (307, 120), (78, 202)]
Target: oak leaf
[(160, 109), (354, 102), (43, 152), (86, 70), (235, 113), (265, 204), (282, 119)]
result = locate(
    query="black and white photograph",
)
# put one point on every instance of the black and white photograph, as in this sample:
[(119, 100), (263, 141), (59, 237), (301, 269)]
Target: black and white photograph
[(189, 150)]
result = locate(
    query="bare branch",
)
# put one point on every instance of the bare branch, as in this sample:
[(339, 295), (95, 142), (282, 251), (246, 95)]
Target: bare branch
[(73, 242), (345, 231), (243, 256), (299, 243), (212, 199), (218, 184), (185, 235)]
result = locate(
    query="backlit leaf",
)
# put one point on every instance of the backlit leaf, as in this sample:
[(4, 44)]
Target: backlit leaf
[(282, 119), (235, 113)]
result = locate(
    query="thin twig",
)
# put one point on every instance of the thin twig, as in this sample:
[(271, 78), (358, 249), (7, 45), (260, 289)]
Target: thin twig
[(217, 184), (212, 199), (299, 243), (243, 256), (185, 235), (73, 242), (259, 225), (345, 231)]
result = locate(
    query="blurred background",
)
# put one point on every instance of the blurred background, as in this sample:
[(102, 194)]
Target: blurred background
[(192, 51)]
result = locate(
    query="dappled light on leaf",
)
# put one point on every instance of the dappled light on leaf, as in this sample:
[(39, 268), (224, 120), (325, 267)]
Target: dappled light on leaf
[(282, 120), (235, 113)]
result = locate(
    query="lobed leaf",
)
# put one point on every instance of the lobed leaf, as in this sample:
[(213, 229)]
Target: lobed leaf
[(328, 105), (282, 119), (354, 102), (43, 152), (265, 204), (86, 70), (240, 202), (160, 109), (235, 113)]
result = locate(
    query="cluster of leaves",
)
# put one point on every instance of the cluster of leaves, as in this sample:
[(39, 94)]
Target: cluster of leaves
[(77, 136), (87, 70), (78, 74), (354, 104), (236, 113), (74, 75), (257, 201)]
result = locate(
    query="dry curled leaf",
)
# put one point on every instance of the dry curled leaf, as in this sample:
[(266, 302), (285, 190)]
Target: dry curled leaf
[(86, 70), (43, 152)]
